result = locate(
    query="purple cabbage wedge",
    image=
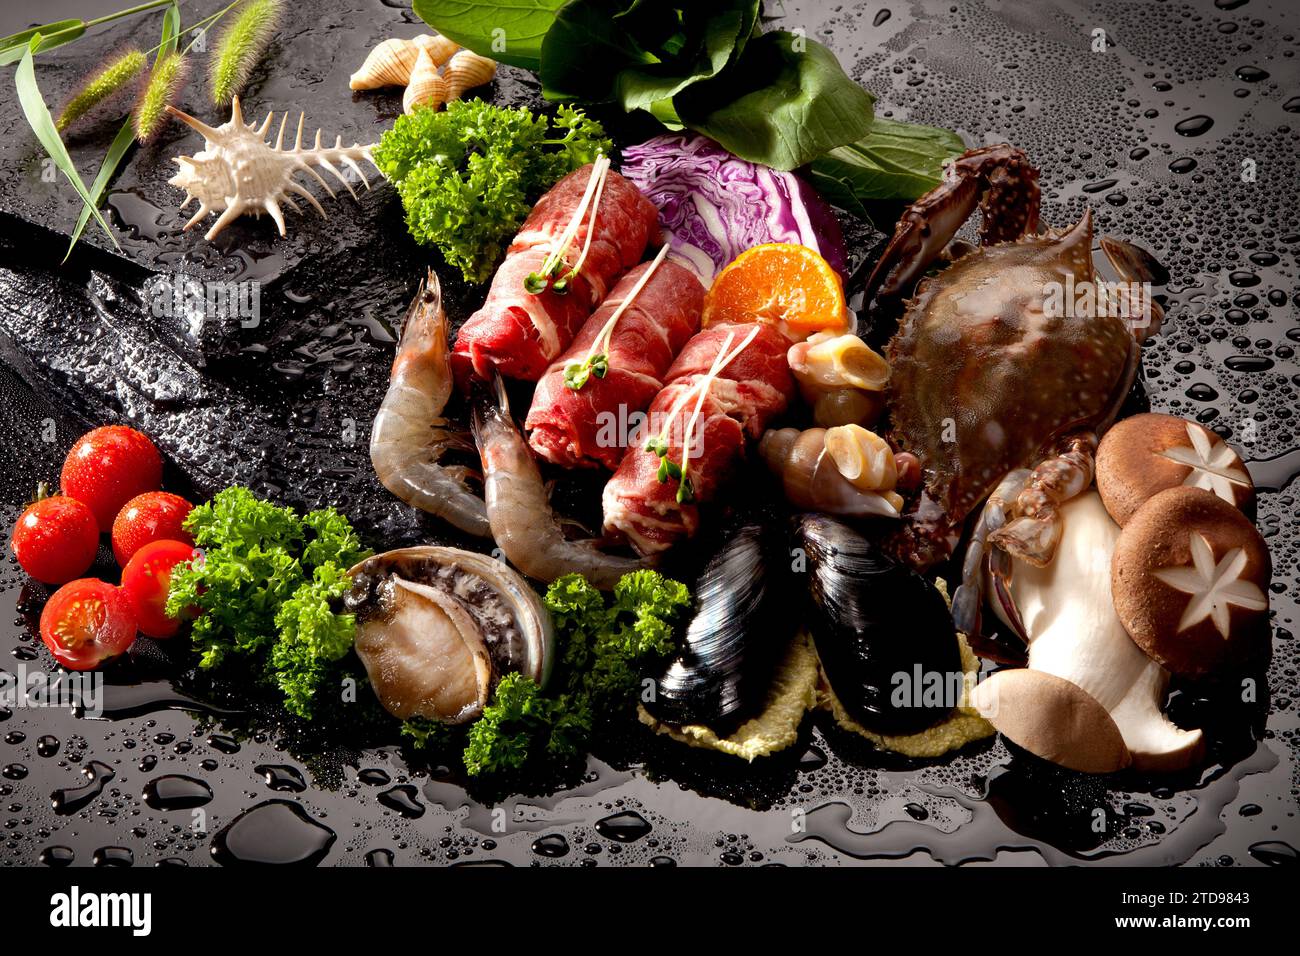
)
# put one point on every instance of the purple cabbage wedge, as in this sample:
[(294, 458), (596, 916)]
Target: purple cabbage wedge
[(714, 205)]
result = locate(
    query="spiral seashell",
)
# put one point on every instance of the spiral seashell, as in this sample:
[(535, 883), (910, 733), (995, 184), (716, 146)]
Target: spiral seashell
[(828, 361), (426, 87), (388, 64), (862, 457), (467, 70), (811, 479), (846, 406), (440, 48)]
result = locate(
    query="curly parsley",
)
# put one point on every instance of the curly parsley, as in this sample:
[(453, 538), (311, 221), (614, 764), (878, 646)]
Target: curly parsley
[(604, 644), (469, 175), (265, 588)]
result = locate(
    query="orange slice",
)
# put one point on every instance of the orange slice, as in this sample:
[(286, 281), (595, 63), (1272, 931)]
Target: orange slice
[(782, 283)]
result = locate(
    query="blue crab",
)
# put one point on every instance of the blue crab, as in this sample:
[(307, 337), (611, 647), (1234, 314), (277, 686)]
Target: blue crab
[(997, 380)]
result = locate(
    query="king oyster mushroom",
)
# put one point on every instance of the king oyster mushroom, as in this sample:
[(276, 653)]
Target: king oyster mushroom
[(1089, 698), (438, 627)]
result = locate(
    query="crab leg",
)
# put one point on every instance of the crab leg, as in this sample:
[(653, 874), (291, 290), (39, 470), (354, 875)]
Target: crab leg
[(1035, 531), (968, 599), (999, 179)]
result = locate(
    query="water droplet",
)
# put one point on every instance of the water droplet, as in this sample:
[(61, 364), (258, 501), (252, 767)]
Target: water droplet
[(403, 799), (623, 827), (112, 856), (551, 845), (282, 778), (72, 799), (57, 856), (176, 792), (276, 831), (1197, 125), (1249, 363), (1274, 853)]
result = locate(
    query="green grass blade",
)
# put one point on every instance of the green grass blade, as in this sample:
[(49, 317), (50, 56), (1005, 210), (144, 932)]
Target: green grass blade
[(121, 144), (171, 31), (15, 45), (42, 124)]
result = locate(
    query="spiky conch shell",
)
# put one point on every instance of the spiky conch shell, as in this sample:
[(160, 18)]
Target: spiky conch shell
[(467, 70), (426, 87), (236, 158), (390, 63)]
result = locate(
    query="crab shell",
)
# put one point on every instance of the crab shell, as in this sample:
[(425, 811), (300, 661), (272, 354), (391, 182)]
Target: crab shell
[(984, 379), (239, 172)]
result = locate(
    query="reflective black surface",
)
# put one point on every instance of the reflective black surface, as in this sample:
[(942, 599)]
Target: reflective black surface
[(1179, 126)]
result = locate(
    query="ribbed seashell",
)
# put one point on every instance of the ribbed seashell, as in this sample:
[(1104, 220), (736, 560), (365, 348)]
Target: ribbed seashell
[(388, 64), (440, 48), (467, 70), (239, 172), (426, 86)]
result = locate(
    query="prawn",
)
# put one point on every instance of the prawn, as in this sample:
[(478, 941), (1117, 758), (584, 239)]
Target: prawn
[(518, 508), (410, 435)]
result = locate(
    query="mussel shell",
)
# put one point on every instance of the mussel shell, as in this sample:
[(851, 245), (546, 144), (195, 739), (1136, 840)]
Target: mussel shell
[(741, 622), (876, 625)]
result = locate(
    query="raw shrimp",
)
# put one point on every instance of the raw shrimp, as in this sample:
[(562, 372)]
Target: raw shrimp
[(410, 434), (519, 509)]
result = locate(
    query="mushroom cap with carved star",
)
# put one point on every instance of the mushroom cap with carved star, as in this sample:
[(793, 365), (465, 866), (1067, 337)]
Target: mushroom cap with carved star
[(1146, 454), (1190, 577)]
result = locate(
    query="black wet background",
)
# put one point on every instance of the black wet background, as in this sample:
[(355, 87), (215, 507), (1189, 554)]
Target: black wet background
[(1178, 127)]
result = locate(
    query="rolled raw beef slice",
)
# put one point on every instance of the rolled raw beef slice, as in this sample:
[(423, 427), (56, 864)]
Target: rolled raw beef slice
[(519, 333), (588, 426)]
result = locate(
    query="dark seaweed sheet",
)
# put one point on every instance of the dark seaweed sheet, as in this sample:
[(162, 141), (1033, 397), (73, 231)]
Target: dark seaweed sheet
[(285, 408)]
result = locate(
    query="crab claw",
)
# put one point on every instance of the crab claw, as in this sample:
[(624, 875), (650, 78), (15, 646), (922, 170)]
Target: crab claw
[(1035, 531), (1138, 270), (999, 179)]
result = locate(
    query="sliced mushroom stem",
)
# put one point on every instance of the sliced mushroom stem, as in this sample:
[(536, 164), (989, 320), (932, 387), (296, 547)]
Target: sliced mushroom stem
[(1087, 685)]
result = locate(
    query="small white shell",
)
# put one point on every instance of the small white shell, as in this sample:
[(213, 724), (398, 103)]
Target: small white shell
[(467, 70), (440, 48), (388, 64), (426, 87)]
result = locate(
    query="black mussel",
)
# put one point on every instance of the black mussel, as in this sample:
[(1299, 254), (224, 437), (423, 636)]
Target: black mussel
[(741, 623), (883, 632)]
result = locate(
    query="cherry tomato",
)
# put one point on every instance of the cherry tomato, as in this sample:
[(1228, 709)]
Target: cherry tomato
[(146, 578), (108, 467), (55, 539), (152, 516), (86, 622)]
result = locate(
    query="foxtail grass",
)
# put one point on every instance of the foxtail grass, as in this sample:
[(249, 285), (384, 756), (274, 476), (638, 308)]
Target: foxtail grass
[(240, 46)]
